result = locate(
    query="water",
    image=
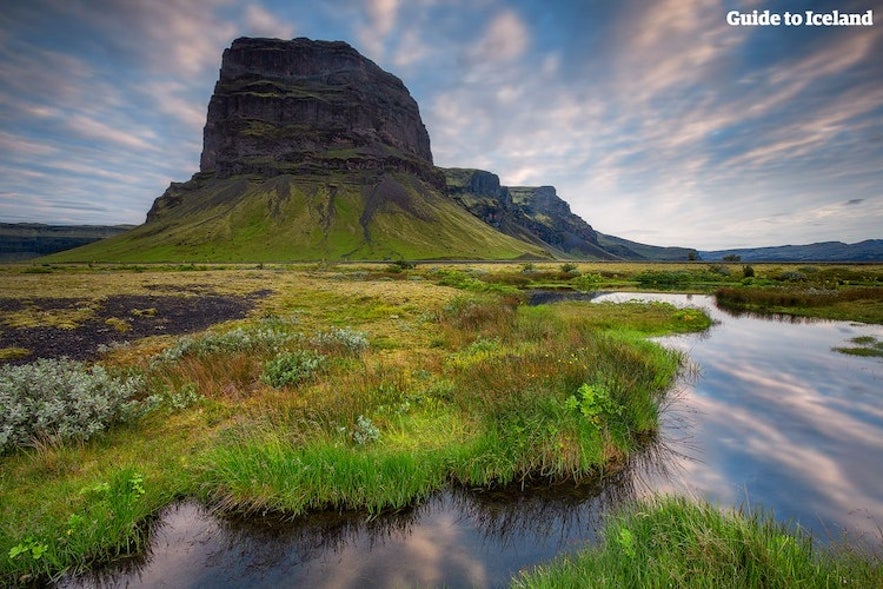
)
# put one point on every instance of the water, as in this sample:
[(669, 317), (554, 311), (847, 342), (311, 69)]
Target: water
[(772, 416), (776, 417)]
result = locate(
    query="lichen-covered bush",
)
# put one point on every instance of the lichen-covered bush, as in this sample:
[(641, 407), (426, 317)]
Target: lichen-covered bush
[(290, 368), (340, 338), (265, 336), (61, 399)]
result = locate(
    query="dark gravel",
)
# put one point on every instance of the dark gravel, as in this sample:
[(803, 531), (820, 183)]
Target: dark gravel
[(146, 315)]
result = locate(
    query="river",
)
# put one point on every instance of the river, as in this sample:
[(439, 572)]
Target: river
[(771, 417)]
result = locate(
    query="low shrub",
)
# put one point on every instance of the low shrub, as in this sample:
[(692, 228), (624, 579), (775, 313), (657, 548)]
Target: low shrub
[(650, 278), (270, 334), (340, 338), (586, 282), (62, 399), (290, 368)]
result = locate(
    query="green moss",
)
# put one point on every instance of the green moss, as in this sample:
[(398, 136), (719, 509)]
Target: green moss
[(286, 218)]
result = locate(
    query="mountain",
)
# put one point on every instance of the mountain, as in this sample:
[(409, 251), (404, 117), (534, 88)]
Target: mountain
[(537, 215), (23, 241), (632, 250), (870, 250), (310, 151)]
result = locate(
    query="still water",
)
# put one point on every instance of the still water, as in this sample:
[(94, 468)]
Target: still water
[(769, 416)]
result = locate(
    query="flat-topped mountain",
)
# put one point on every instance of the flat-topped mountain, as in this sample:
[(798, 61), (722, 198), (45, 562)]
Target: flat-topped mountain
[(312, 152), (282, 106)]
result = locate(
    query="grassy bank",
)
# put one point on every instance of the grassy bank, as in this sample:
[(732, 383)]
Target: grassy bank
[(845, 303), (363, 388), (677, 543)]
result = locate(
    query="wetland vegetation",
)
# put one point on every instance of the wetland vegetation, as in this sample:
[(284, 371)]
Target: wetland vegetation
[(353, 387)]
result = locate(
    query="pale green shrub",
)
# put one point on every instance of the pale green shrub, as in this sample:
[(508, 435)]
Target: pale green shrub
[(265, 336), (62, 399), (340, 338), (365, 431), (290, 368)]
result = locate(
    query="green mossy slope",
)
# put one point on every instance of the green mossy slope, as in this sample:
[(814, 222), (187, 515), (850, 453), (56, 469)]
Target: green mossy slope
[(333, 216)]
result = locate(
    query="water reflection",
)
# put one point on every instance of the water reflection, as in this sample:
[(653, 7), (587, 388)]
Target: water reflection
[(459, 538), (771, 416), (784, 421)]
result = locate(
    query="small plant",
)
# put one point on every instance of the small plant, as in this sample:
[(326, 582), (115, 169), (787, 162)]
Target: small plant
[(30, 547), (62, 399), (569, 268), (341, 337), (626, 541), (180, 399), (290, 368), (595, 403), (365, 431), (747, 271)]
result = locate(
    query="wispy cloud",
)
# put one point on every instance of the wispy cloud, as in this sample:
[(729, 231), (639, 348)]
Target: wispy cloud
[(260, 22), (653, 119)]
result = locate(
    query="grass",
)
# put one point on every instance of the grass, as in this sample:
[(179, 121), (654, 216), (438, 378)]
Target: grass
[(447, 386), (855, 303), (672, 542), (866, 345), (431, 376)]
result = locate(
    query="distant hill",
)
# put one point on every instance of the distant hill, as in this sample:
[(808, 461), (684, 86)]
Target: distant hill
[(537, 214), (870, 250), (23, 241)]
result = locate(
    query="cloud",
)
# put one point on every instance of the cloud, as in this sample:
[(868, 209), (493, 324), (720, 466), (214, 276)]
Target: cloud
[(259, 22), (505, 39), (381, 17), (16, 145), (89, 128)]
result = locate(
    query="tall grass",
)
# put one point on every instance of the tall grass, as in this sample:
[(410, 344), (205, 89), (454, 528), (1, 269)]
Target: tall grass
[(859, 303), (500, 410), (672, 542), (481, 393)]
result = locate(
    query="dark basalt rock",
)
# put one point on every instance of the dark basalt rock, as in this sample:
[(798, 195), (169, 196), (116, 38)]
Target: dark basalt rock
[(534, 214), (300, 106)]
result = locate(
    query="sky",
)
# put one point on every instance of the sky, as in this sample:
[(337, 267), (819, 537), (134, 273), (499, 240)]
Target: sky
[(657, 121)]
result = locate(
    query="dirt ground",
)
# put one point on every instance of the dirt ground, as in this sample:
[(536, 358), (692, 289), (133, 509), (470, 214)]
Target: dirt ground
[(117, 318)]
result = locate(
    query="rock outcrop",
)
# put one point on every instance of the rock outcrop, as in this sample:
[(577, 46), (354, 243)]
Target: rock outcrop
[(299, 106), (531, 213), (537, 215)]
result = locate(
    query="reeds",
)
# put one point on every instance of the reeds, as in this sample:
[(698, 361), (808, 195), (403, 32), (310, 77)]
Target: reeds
[(675, 542)]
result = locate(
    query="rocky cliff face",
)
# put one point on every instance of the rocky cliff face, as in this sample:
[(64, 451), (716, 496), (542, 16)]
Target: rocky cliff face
[(532, 213), (298, 106)]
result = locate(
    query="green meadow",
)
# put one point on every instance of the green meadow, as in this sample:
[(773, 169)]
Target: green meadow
[(357, 387)]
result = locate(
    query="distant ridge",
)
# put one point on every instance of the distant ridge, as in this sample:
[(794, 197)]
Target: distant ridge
[(537, 214), (24, 241), (869, 250)]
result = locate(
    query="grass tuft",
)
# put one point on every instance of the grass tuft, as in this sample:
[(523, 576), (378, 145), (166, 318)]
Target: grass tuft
[(672, 542)]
